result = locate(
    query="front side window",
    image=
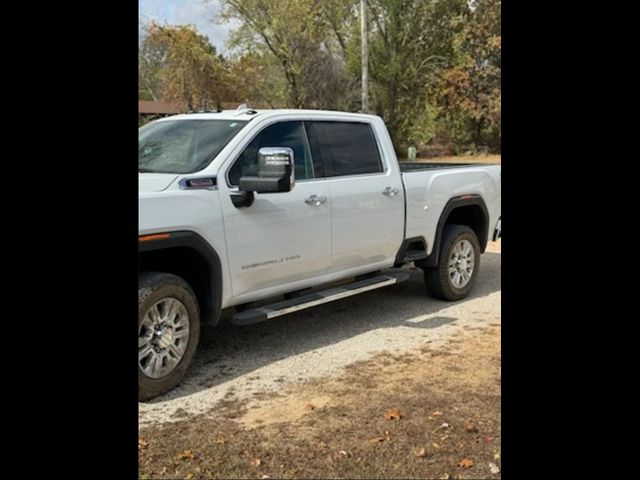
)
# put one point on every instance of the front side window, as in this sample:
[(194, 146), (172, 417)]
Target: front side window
[(346, 148), (283, 134), (183, 146)]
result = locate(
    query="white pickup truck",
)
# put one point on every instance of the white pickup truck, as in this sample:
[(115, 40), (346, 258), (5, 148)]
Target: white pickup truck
[(267, 210)]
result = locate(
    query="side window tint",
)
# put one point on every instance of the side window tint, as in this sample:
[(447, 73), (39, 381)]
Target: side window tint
[(346, 148), (284, 134)]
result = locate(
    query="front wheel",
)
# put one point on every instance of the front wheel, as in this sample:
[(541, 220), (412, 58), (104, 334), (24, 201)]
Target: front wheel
[(168, 332), (457, 269)]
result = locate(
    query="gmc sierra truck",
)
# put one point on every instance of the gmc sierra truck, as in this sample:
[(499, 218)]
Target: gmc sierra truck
[(275, 211)]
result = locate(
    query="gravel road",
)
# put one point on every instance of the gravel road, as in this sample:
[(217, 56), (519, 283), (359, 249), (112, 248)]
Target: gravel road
[(321, 341)]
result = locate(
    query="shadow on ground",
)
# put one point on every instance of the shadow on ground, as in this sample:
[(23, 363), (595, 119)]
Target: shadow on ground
[(228, 351)]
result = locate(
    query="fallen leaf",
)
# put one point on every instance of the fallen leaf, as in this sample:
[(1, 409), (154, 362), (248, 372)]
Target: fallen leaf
[(142, 443), (437, 413), (256, 462), (377, 439), (186, 454), (309, 406), (189, 476), (444, 425), (343, 453), (421, 453), (465, 463), (470, 427), (220, 440), (493, 468), (435, 445), (393, 414)]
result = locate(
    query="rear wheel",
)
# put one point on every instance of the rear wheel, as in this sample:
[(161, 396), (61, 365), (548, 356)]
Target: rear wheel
[(168, 332), (457, 268)]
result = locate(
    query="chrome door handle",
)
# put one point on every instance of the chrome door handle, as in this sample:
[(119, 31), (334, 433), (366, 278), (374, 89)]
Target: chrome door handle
[(390, 192), (315, 200)]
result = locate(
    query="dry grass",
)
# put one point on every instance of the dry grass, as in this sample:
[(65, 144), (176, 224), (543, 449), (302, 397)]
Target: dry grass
[(449, 402)]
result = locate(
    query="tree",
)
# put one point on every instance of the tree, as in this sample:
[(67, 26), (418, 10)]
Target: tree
[(471, 90), (185, 64), (411, 44), (297, 33)]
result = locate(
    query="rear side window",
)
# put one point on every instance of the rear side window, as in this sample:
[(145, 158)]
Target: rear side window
[(345, 148)]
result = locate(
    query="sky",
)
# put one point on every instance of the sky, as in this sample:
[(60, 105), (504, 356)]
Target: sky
[(200, 13)]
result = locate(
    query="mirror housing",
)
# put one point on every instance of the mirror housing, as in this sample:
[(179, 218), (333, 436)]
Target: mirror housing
[(276, 172)]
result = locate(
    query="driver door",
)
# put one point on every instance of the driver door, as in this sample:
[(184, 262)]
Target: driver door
[(283, 241)]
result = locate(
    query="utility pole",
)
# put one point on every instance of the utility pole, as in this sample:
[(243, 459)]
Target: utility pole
[(365, 56)]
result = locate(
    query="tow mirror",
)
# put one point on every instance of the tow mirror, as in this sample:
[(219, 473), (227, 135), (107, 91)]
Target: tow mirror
[(276, 174)]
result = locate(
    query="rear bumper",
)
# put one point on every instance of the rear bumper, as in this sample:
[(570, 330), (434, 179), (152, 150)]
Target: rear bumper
[(497, 233)]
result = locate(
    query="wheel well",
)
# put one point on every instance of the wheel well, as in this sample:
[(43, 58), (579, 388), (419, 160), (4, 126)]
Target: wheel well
[(468, 210), (186, 263), (473, 217)]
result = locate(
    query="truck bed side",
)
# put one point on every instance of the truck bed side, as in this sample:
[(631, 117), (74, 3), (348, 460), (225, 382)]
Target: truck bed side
[(428, 191)]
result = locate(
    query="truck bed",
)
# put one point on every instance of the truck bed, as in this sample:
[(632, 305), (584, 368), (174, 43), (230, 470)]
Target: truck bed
[(429, 186)]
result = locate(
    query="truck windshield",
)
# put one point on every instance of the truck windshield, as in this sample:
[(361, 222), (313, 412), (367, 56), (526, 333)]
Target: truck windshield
[(183, 146)]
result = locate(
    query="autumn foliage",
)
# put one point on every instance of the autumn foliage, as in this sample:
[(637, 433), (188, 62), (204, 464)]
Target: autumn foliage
[(435, 68)]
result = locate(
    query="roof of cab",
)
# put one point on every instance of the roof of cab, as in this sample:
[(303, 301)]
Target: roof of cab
[(249, 113)]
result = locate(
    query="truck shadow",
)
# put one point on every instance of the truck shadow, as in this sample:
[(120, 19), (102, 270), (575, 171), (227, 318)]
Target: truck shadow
[(227, 351)]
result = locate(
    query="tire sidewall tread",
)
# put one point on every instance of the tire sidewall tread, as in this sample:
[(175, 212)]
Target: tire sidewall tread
[(153, 286), (437, 278)]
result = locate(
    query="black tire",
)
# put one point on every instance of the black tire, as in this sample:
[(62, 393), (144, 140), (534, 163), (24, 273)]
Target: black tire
[(152, 287), (439, 283)]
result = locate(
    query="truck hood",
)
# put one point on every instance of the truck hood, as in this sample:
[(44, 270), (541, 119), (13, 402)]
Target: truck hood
[(155, 182)]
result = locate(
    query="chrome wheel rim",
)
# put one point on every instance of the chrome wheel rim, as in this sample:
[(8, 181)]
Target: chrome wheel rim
[(163, 336), (461, 263)]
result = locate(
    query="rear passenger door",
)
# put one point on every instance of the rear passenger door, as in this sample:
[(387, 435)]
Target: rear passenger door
[(367, 200)]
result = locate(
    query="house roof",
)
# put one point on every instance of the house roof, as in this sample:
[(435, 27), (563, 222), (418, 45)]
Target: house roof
[(149, 107)]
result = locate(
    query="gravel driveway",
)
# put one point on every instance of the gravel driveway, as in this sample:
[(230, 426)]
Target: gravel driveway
[(321, 341)]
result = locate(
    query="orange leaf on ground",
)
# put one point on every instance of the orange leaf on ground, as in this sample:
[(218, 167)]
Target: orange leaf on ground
[(465, 463), (420, 453), (186, 454), (256, 462), (470, 427), (393, 414)]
